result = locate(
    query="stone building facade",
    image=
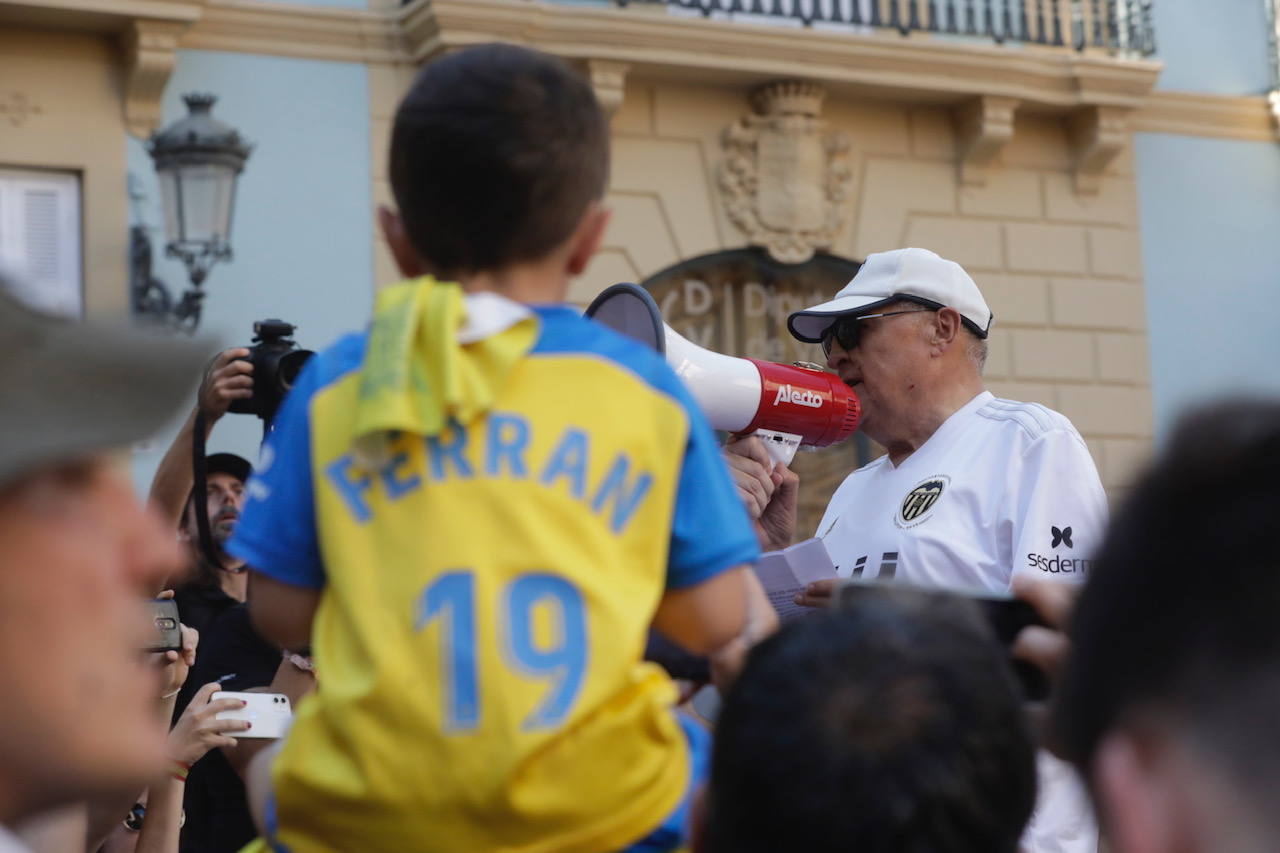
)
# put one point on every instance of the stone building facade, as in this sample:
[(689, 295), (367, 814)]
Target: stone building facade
[(1017, 160), (1062, 271)]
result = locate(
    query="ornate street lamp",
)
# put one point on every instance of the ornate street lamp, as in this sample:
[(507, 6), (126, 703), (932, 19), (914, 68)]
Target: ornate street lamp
[(198, 159)]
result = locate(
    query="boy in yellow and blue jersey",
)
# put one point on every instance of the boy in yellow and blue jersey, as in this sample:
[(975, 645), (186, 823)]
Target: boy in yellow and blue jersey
[(476, 510)]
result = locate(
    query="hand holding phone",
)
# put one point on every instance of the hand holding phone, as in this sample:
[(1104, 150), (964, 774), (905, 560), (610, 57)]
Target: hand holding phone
[(268, 713), (166, 635), (1007, 616), (199, 730), (1046, 645)]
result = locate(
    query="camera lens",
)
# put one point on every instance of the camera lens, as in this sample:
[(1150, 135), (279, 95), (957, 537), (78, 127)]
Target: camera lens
[(290, 366)]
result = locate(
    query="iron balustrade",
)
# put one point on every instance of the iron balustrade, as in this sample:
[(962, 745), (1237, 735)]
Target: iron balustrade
[(1116, 26)]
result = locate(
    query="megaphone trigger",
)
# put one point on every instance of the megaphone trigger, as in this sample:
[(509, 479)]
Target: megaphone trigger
[(781, 446)]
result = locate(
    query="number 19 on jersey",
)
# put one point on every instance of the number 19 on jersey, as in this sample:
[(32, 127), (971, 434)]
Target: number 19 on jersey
[(451, 600)]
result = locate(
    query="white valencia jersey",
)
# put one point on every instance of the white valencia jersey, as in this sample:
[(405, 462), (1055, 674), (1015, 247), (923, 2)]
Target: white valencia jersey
[(1001, 487)]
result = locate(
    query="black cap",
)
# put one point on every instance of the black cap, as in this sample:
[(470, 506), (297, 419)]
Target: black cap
[(228, 463)]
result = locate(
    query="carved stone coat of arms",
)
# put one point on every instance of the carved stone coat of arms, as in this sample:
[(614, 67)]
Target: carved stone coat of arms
[(785, 180)]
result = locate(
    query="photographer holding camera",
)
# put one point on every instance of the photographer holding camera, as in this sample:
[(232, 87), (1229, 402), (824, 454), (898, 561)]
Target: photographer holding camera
[(242, 380), (217, 581), (229, 378)]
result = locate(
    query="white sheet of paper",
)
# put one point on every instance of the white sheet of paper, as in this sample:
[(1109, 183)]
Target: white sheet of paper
[(784, 573)]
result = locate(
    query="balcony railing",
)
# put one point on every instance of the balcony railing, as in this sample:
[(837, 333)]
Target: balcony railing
[(1116, 26)]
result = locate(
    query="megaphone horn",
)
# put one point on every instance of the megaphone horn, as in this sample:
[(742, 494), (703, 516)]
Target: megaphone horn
[(786, 406)]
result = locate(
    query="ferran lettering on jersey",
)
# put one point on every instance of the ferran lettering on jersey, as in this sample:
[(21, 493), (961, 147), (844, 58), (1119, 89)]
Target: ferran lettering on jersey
[(614, 493), (918, 505)]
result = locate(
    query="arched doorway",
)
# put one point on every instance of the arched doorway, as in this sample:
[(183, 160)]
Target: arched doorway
[(737, 302)]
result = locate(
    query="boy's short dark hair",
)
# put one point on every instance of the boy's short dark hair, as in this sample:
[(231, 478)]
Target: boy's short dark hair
[(1175, 631), (496, 153), (893, 724)]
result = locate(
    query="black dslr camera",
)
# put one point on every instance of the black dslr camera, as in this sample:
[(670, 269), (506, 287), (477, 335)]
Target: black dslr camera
[(276, 361)]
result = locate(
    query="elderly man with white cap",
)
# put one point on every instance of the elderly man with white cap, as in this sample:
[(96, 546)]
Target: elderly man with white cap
[(972, 489)]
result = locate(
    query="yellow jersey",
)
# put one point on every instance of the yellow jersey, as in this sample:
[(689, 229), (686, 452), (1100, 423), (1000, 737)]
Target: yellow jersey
[(485, 602)]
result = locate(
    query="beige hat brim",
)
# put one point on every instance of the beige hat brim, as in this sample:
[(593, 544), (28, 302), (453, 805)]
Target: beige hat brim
[(71, 389)]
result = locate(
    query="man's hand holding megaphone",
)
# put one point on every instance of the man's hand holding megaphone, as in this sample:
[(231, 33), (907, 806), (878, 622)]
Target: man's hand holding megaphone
[(768, 490), (789, 406)]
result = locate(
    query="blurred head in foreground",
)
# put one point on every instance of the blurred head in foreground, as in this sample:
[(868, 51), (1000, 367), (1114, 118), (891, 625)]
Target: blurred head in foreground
[(892, 724), (78, 555), (1170, 699)]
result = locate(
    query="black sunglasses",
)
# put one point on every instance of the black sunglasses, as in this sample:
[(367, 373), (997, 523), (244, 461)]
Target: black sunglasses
[(846, 330)]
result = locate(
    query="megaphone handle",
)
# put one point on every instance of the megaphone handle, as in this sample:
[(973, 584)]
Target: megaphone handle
[(782, 446)]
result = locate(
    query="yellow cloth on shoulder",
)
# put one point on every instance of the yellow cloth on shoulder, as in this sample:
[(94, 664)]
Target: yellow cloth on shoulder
[(435, 355)]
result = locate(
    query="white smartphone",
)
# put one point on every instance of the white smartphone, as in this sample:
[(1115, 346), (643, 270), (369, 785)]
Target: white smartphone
[(269, 713)]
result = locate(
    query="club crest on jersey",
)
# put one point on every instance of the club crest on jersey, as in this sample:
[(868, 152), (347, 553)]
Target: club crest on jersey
[(918, 505)]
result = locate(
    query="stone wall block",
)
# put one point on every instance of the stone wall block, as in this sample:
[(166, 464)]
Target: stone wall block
[(969, 242), (1039, 142), (696, 112), (893, 189), (1008, 193), (387, 85), (875, 129), (932, 134), (1052, 354), (1090, 303), (999, 354), (643, 219), (1015, 299), (380, 147), (676, 172), (1116, 201), (1123, 357), (1115, 252), (609, 266), (1111, 411), (1034, 247), (635, 114)]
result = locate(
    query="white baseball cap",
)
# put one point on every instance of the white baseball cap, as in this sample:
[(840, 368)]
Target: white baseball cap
[(915, 274)]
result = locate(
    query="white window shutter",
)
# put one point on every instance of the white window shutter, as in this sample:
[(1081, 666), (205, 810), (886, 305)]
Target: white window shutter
[(40, 238)]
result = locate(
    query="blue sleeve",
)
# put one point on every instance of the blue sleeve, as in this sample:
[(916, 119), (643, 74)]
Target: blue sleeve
[(710, 531), (277, 531)]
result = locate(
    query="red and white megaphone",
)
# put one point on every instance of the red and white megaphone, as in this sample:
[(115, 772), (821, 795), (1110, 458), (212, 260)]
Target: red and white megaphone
[(786, 406)]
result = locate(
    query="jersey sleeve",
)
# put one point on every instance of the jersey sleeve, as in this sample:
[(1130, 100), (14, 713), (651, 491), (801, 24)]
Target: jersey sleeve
[(277, 534), (1058, 508), (710, 531)]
